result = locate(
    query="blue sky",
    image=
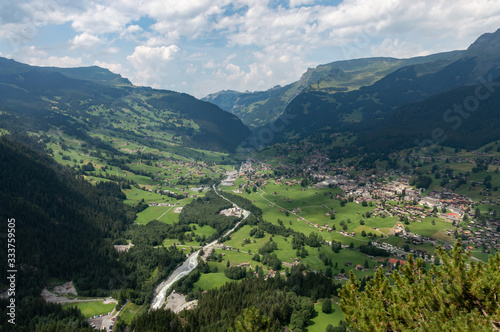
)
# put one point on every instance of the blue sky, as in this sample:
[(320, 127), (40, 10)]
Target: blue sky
[(203, 46)]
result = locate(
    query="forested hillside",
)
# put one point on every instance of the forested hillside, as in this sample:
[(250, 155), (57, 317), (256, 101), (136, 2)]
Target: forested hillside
[(257, 109), (365, 97), (64, 225), (64, 230), (89, 103), (283, 302), (457, 118), (373, 106)]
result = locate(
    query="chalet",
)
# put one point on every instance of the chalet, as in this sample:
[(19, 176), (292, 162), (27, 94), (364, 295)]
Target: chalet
[(417, 241), (393, 262), (450, 217)]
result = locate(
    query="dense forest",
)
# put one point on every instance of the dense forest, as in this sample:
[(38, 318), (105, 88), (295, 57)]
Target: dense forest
[(284, 302), (64, 225), (65, 228), (205, 211), (29, 95)]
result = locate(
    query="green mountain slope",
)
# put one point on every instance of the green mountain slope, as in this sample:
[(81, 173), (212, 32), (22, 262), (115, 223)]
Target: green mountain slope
[(466, 117), (372, 106), (63, 225), (256, 109), (89, 102), (93, 73)]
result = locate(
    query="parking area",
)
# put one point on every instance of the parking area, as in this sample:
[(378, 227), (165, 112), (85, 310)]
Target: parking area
[(103, 322)]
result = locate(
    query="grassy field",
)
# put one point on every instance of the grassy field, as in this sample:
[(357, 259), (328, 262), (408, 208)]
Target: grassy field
[(92, 308), (322, 320), (286, 253), (130, 310), (234, 257), (204, 230), (151, 213), (212, 280), (135, 195), (481, 255), (314, 207), (426, 228), (239, 236)]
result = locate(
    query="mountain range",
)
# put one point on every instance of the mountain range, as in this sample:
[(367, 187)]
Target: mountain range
[(90, 102), (386, 103), (259, 108), (375, 98)]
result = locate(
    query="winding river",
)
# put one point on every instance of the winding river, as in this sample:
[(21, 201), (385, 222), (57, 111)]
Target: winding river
[(189, 265)]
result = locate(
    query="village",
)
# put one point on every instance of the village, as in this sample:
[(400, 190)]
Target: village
[(396, 199)]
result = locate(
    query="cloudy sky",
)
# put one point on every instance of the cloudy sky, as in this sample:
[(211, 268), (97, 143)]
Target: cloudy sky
[(203, 46)]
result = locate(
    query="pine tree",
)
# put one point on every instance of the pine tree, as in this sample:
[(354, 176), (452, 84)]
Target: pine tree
[(250, 321), (326, 306), (458, 293)]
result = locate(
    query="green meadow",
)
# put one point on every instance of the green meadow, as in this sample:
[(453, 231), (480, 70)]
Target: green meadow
[(212, 280), (92, 308), (322, 320), (130, 310)]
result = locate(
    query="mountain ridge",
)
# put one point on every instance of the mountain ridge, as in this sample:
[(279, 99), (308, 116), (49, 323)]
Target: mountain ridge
[(364, 110), (256, 109), (84, 101)]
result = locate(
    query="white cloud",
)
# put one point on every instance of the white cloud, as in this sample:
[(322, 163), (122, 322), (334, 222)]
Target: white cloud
[(441, 22), (99, 19), (112, 50), (86, 41), (151, 62), (145, 54), (21, 20), (234, 72), (116, 68), (134, 29), (239, 44), (397, 49), (296, 3), (197, 55), (55, 61), (191, 69), (209, 65), (32, 51), (276, 65), (169, 38)]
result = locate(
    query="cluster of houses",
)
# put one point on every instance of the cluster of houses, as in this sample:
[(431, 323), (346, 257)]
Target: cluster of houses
[(188, 171), (446, 205), (322, 228), (481, 235), (393, 250)]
